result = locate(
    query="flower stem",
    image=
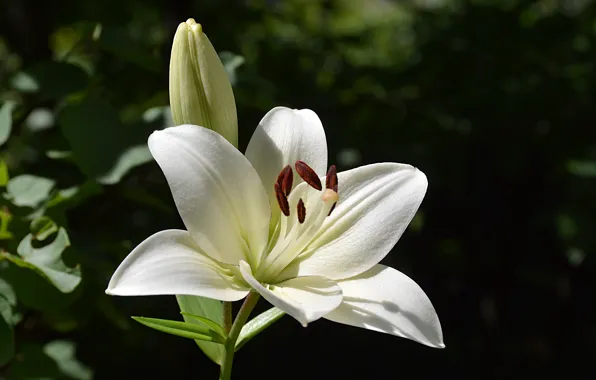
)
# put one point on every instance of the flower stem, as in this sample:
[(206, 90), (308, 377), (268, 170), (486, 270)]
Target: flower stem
[(241, 317), (227, 316)]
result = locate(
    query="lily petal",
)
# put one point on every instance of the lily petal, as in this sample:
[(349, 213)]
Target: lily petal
[(169, 262), (304, 298), (283, 137), (218, 193), (376, 204), (386, 300)]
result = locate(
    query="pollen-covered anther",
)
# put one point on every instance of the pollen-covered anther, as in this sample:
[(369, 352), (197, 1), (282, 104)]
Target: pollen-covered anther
[(308, 175), (285, 179), (282, 200), (331, 181), (301, 211)]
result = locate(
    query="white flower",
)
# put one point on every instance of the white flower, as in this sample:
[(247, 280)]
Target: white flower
[(310, 248)]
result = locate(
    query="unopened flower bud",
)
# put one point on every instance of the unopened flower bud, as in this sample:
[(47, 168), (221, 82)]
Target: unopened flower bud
[(200, 91)]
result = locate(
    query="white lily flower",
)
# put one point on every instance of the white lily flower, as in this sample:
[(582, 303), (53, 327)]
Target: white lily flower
[(309, 245)]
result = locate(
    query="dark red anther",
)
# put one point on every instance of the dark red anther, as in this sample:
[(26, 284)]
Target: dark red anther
[(282, 200), (285, 179), (331, 182), (332, 208), (301, 211), (308, 175)]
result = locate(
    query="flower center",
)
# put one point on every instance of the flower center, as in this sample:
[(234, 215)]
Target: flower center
[(304, 210)]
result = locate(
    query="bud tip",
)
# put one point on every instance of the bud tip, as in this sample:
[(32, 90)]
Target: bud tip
[(192, 24)]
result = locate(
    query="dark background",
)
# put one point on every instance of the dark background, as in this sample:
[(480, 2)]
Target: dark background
[(493, 100)]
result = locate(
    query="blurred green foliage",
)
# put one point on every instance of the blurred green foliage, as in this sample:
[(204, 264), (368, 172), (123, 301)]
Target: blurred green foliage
[(492, 99)]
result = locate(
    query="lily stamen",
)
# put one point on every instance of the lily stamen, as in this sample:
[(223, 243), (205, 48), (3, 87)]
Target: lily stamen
[(282, 200), (286, 179), (308, 175), (331, 182), (301, 211)]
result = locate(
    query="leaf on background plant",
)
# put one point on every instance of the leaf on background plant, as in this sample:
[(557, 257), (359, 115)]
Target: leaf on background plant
[(130, 158), (118, 41), (8, 300), (160, 115), (56, 80), (231, 63), (4, 177), (64, 354), (39, 119), (6, 340), (182, 329), (33, 289), (6, 120), (257, 325), (47, 261), (586, 169), (24, 82), (70, 197), (28, 190), (42, 228), (5, 310), (59, 154), (210, 309), (33, 363), (102, 147), (7, 292), (5, 219), (142, 196)]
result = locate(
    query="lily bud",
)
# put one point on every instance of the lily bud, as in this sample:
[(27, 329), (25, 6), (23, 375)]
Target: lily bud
[(200, 91)]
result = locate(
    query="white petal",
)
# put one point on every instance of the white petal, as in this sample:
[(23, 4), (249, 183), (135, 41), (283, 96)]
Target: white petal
[(169, 262), (386, 300), (218, 193), (376, 204), (304, 298), (283, 137)]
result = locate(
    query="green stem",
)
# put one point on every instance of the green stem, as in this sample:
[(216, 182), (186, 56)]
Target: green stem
[(227, 311), (241, 317)]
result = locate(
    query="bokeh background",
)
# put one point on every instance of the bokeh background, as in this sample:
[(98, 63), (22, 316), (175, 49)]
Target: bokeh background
[(492, 99)]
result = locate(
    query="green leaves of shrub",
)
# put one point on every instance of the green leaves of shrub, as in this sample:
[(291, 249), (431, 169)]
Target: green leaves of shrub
[(47, 260)]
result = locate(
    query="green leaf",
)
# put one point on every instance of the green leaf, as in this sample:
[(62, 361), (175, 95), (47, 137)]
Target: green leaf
[(130, 158), (231, 62), (42, 228), (33, 289), (7, 292), (207, 322), (57, 79), (6, 120), (47, 261), (102, 147), (64, 354), (210, 309), (33, 363), (586, 169), (72, 196), (118, 41), (6, 342), (28, 190), (39, 119), (6, 310), (5, 218), (257, 325), (24, 82), (182, 329), (4, 177)]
